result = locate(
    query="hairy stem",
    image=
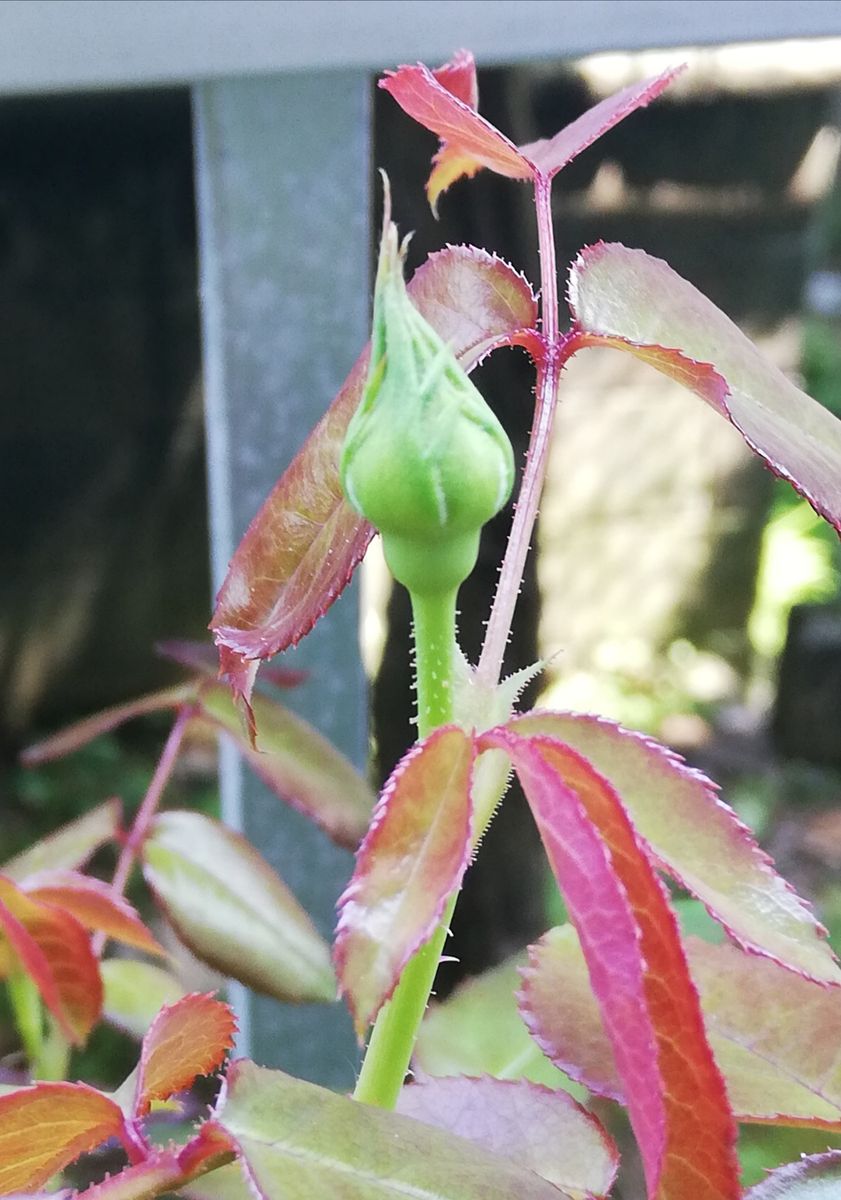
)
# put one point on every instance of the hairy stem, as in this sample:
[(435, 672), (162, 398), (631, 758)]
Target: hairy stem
[(148, 808), (395, 1030), (525, 514)]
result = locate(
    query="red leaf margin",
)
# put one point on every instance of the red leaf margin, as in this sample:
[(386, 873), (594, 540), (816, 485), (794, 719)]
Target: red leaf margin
[(412, 823), (445, 101), (651, 1010), (186, 1039)]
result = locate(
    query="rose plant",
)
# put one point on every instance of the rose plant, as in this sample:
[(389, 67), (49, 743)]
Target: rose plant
[(690, 1037)]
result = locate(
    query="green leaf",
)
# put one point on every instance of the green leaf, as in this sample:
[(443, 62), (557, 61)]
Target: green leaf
[(69, 847), (816, 1178), (134, 992), (298, 1142), (479, 1031), (544, 1130), (297, 763), (231, 909)]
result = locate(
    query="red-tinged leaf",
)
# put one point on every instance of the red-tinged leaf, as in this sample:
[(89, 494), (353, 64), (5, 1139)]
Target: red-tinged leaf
[(301, 548), (54, 949), (134, 993), (478, 1031), (297, 763), (815, 1178), (69, 847), (775, 1035), (650, 1009), (231, 909), (298, 1141), (94, 904), (305, 542), (73, 737), (186, 1039), (477, 301), (444, 101), (550, 155), (45, 1127), (698, 840), (545, 1131), (411, 861), (621, 296), (209, 1149)]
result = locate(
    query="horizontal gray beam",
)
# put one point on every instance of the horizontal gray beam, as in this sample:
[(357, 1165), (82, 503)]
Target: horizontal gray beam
[(60, 45)]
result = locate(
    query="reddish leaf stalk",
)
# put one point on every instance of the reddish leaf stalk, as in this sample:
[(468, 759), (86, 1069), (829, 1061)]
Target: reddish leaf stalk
[(148, 808), (548, 374)]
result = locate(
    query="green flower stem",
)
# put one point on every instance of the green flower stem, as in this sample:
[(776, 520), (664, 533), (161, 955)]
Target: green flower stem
[(395, 1030), (435, 647)]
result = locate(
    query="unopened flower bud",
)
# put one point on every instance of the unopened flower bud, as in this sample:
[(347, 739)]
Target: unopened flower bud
[(425, 460)]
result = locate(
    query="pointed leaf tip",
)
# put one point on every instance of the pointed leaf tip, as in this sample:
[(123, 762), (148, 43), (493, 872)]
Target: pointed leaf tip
[(551, 155), (186, 1039)]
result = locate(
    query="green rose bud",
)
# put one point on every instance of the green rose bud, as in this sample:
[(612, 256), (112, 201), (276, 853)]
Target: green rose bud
[(425, 460)]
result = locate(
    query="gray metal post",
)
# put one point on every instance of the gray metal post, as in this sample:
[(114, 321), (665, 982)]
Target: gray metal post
[(282, 179)]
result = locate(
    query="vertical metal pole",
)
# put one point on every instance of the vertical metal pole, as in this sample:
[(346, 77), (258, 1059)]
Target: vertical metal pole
[(282, 184)]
